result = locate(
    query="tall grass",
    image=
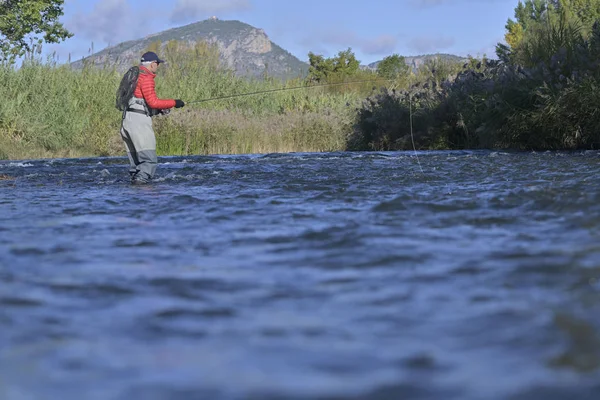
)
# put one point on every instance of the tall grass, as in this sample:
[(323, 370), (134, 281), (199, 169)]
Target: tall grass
[(232, 132), (51, 110)]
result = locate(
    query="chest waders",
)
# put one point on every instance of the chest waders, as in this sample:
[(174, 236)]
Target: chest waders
[(136, 129)]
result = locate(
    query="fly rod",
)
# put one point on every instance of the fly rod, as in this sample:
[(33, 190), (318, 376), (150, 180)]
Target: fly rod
[(314, 86), (284, 89)]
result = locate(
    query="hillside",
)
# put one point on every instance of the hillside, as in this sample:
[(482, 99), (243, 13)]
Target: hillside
[(243, 48), (415, 62)]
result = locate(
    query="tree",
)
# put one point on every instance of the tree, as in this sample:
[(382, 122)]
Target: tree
[(544, 28), (587, 11), (392, 67), (23, 21), (320, 67), (531, 15), (337, 68), (527, 15), (345, 64)]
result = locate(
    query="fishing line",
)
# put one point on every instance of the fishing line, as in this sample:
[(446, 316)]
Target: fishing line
[(284, 89), (315, 86), (412, 136)]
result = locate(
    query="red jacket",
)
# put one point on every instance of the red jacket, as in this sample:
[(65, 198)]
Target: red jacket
[(145, 89)]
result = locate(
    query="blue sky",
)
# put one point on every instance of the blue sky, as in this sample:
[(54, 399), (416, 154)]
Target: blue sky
[(373, 29)]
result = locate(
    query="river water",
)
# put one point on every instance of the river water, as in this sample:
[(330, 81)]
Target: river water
[(433, 275)]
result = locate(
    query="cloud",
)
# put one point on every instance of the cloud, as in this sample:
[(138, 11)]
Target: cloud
[(434, 3), (109, 21), (187, 10), (114, 21), (380, 45), (488, 50), (427, 3), (384, 44), (430, 44), (335, 37)]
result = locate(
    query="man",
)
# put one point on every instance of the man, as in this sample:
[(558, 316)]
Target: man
[(136, 129)]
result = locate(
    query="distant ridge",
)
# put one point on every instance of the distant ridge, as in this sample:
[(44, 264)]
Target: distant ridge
[(246, 50), (415, 62)]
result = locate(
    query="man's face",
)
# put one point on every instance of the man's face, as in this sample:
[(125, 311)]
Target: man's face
[(154, 67)]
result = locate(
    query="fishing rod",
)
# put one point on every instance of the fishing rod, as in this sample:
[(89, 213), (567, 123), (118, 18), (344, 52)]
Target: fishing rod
[(314, 86), (284, 89)]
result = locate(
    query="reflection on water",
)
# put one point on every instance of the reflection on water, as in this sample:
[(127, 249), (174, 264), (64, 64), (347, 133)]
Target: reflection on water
[(302, 276)]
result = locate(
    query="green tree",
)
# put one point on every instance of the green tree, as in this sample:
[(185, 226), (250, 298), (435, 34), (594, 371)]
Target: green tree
[(392, 67), (543, 27), (533, 16), (345, 64), (25, 24), (527, 15), (439, 69), (333, 69), (320, 67), (586, 11)]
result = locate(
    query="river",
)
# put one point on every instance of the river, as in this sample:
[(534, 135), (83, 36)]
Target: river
[(401, 275)]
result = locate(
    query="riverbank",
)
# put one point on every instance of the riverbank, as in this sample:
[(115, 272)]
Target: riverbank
[(51, 110), (542, 100)]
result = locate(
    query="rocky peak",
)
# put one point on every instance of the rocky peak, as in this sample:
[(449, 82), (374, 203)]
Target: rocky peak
[(243, 48)]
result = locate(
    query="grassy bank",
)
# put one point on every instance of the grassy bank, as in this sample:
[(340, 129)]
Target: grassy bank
[(51, 110), (540, 94), (233, 132)]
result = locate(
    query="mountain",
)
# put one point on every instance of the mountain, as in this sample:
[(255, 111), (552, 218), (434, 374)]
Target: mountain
[(243, 48), (415, 62)]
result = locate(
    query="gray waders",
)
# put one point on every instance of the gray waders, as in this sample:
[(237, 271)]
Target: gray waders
[(140, 142)]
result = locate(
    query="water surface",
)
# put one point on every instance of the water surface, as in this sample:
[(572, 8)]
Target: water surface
[(451, 275)]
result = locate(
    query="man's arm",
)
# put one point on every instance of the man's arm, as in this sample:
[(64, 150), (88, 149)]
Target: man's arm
[(149, 93)]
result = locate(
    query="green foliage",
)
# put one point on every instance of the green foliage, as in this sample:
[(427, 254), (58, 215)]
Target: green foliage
[(438, 69), (544, 98), (21, 21), (390, 119), (232, 132), (541, 94), (555, 21), (587, 11), (56, 111), (393, 67), (531, 12), (334, 69)]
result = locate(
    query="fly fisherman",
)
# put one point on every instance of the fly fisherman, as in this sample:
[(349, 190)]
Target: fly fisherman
[(138, 110)]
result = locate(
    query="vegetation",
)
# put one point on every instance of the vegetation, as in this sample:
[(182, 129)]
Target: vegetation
[(541, 93), (332, 69), (393, 67), (52, 110), (21, 21)]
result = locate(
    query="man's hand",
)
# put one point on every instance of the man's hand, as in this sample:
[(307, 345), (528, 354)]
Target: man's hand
[(179, 103)]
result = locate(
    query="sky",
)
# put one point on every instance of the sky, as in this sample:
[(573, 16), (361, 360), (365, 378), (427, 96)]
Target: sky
[(372, 29)]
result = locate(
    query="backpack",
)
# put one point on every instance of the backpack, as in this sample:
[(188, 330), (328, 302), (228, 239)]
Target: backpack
[(126, 88)]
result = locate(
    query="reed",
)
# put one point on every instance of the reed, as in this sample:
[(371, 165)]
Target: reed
[(233, 132), (50, 110)]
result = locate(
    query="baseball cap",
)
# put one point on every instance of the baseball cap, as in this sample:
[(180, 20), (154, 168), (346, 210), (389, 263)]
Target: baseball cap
[(151, 56)]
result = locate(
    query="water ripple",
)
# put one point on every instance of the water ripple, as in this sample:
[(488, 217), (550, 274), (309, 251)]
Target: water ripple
[(302, 276)]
